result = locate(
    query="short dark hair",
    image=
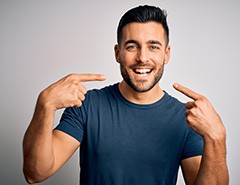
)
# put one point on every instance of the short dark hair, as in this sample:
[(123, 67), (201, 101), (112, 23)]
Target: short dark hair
[(143, 14)]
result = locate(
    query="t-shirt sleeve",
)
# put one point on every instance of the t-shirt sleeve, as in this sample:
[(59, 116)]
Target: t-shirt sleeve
[(72, 123), (193, 145)]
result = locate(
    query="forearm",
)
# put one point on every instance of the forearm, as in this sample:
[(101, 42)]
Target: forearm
[(37, 145), (213, 169)]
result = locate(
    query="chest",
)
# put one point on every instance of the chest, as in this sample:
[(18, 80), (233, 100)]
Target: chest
[(146, 137)]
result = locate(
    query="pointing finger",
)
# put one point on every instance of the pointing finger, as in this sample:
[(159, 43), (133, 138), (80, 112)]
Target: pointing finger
[(90, 77), (186, 91)]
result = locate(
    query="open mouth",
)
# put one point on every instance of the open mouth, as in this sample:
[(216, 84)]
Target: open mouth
[(142, 71)]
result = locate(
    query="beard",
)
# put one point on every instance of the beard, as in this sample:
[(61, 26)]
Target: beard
[(141, 85)]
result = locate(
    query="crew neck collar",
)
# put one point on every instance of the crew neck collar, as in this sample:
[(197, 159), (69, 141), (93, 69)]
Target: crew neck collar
[(141, 106)]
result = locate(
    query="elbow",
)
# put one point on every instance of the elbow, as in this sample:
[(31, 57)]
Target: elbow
[(35, 171), (32, 176), (31, 179)]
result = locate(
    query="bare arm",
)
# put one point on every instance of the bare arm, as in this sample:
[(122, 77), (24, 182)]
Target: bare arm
[(190, 168), (213, 168), (41, 143), (202, 118), (45, 150)]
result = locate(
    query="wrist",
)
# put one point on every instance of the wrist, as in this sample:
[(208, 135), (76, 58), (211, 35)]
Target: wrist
[(215, 137), (43, 115), (43, 104), (216, 131)]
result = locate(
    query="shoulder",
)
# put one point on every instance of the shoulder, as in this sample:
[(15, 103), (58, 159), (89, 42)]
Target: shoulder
[(99, 97), (173, 103), (94, 100), (101, 93)]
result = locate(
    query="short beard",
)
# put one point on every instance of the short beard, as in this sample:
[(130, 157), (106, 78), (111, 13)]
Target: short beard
[(130, 82)]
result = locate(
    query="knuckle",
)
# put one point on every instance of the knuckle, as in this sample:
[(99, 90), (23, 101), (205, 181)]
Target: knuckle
[(83, 98), (75, 103), (80, 96), (73, 85), (71, 76), (84, 91), (197, 103), (194, 111), (77, 95), (188, 119), (203, 98), (79, 104), (75, 82)]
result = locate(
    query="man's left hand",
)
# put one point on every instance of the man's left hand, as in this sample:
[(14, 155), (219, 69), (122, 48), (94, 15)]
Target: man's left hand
[(201, 116)]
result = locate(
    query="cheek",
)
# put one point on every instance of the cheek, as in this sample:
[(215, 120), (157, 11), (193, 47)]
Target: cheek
[(127, 58), (160, 58)]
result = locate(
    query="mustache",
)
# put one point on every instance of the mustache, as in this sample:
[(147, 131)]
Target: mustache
[(142, 65)]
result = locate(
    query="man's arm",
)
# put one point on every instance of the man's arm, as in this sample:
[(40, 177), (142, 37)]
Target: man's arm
[(211, 168), (202, 118), (190, 167), (45, 150)]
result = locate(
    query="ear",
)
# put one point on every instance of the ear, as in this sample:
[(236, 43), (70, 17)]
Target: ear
[(167, 54), (117, 50)]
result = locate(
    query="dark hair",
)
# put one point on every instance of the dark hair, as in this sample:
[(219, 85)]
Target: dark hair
[(143, 14)]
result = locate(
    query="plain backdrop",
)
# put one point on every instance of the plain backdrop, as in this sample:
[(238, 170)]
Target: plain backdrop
[(42, 41)]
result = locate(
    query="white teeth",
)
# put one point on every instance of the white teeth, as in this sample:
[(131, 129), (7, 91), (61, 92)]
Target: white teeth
[(142, 71)]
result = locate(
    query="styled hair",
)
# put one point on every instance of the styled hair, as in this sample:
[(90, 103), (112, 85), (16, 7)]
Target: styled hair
[(143, 14)]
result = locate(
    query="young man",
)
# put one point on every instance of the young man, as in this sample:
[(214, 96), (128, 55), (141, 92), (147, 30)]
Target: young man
[(131, 132)]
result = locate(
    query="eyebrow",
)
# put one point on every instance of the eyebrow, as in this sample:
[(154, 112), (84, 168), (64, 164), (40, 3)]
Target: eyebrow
[(132, 41), (154, 42)]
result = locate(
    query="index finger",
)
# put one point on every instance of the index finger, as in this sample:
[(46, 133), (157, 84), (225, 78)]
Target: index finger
[(91, 77), (186, 91)]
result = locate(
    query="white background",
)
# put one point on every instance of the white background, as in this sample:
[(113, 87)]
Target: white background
[(42, 41)]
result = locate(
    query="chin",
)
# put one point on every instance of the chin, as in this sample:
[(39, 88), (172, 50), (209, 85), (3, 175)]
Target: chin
[(141, 87)]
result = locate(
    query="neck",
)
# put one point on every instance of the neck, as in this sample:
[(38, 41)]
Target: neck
[(149, 97)]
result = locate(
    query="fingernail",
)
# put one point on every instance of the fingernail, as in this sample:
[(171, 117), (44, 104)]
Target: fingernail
[(103, 76), (175, 85)]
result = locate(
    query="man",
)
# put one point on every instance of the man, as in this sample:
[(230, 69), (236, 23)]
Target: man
[(131, 132)]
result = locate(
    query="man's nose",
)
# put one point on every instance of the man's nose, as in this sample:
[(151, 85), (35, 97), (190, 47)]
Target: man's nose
[(142, 55)]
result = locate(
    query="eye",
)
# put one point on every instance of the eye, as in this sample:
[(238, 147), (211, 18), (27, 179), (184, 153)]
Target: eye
[(154, 47), (132, 47)]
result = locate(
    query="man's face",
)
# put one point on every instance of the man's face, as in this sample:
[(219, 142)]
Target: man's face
[(142, 55)]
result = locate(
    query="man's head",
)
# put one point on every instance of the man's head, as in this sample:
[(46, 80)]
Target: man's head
[(142, 49), (143, 14)]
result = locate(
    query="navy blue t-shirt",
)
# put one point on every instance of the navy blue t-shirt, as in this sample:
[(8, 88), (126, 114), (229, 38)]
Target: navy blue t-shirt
[(123, 143)]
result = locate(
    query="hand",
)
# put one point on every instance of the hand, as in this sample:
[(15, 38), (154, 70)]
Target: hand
[(201, 115), (68, 91)]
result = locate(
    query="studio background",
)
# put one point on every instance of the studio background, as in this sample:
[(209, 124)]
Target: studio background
[(42, 41)]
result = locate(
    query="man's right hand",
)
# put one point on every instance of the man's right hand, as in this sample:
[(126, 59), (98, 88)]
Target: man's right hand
[(45, 151), (68, 91)]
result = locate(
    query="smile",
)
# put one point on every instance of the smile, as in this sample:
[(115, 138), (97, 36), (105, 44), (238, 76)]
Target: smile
[(142, 71)]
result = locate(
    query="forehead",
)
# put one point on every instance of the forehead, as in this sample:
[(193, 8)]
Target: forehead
[(143, 32)]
